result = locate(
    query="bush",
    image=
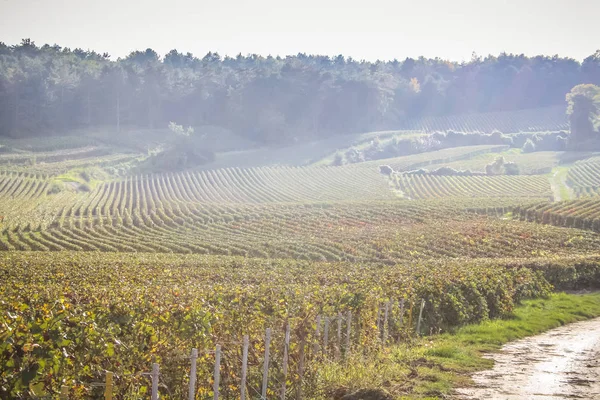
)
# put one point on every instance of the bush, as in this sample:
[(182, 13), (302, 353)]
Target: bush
[(495, 168), (501, 167), (354, 156), (386, 170), (55, 188), (447, 171), (85, 176), (511, 168), (338, 160)]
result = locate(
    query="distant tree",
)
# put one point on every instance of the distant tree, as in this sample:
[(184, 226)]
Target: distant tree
[(386, 170), (584, 113), (590, 68), (511, 168), (186, 151), (338, 160), (272, 100), (179, 130), (495, 168)]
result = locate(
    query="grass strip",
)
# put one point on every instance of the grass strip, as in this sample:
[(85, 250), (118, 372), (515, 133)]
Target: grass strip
[(431, 367)]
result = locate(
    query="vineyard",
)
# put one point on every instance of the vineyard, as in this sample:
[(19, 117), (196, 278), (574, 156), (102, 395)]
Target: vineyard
[(538, 163), (106, 268), (425, 160), (356, 232), (75, 315), (581, 214), (540, 119), (416, 186), (584, 177)]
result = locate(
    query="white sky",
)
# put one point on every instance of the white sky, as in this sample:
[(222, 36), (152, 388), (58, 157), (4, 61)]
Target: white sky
[(366, 29)]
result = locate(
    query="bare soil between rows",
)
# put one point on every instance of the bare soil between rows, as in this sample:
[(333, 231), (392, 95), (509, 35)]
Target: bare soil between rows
[(563, 363)]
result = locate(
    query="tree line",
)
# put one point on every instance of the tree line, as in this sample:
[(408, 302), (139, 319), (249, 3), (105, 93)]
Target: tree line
[(50, 89)]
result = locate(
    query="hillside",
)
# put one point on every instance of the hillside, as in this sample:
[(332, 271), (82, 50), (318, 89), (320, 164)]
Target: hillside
[(115, 266)]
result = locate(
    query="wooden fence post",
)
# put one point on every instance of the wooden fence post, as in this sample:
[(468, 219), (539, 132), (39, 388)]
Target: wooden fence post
[(108, 387), (326, 336), (154, 375), (385, 322), (317, 336), (192, 389), (338, 343), (265, 381), (420, 317), (401, 312), (286, 348), (378, 322), (244, 366), (64, 392), (348, 327), (300, 369), (217, 374)]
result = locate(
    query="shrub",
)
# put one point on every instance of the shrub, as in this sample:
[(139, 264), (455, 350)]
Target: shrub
[(511, 168), (354, 156), (338, 160), (55, 188), (386, 170), (495, 168), (85, 175)]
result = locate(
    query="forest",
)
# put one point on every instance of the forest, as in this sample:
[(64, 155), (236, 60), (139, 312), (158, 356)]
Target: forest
[(48, 89)]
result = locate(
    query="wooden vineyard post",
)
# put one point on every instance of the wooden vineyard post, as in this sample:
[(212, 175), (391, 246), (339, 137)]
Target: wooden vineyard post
[(326, 336), (410, 315), (317, 336), (300, 369), (64, 392), (244, 367), (154, 375), (265, 380), (217, 374), (108, 387), (286, 349), (401, 312), (338, 343), (385, 322), (348, 327), (420, 318), (192, 389), (378, 322)]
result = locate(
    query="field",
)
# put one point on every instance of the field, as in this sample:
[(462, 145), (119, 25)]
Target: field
[(106, 268), (430, 186), (584, 177), (538, 163), (532, 120)]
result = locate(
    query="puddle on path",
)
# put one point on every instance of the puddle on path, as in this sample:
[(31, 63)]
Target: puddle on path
[(563, 363)]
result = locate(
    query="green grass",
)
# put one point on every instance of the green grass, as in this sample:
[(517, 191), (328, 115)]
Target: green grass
[(79, 178), (558, 178), (432, 367)]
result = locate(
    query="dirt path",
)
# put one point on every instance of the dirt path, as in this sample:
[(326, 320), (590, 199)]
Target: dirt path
[(558, 183), (563, 363)]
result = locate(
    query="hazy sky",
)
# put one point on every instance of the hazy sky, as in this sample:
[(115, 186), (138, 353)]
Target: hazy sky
[(366, 29)]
